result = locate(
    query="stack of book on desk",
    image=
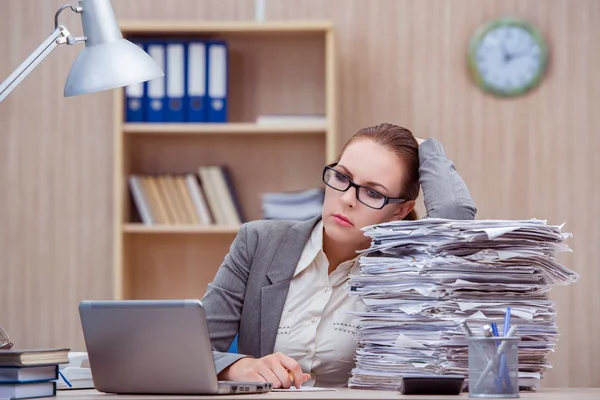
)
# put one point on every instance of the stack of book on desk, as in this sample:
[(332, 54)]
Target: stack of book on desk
[(420, 280), (28, 374)]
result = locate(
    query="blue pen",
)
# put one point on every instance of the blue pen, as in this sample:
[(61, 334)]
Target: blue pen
[(65, 379), (503, 369), (495, 330), (506, 322)]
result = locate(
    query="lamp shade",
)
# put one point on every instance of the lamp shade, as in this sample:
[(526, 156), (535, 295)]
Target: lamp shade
[(108, 61)]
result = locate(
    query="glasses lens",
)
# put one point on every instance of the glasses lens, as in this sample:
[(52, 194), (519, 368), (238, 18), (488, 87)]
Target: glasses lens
[(336, 179), (371, 198)]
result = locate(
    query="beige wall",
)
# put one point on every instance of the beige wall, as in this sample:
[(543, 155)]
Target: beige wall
[(399, 61)]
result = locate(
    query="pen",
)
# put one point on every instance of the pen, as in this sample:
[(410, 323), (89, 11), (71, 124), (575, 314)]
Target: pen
[(291, 375), (494, 359), (467, 329), (498, 377), (487, 332), (469, 333), (495, 329), (65, 379), (503, 369), (506, 321)]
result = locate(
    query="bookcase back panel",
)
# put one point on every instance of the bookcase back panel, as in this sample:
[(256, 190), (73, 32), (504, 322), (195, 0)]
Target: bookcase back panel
[(270, 73), (163, 266), (257, 164)]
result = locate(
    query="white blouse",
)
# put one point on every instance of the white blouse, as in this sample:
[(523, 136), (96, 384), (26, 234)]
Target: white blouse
[(315, 329)]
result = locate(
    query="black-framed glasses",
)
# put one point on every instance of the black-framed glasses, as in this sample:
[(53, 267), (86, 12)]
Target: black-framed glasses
[(366, 195)]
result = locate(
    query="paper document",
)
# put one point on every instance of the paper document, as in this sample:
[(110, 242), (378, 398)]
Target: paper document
[(420, 280), (303, 389)]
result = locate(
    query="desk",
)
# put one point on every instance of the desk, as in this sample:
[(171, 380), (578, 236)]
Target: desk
[(356, 394)]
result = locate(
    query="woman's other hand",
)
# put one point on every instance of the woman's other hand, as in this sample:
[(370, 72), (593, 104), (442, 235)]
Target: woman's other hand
[(282, 371)]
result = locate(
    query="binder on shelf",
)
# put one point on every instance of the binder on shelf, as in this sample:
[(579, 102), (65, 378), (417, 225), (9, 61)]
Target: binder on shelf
[(196, 82), (134, 99), (156, 100), (217, 81), (175, 81)]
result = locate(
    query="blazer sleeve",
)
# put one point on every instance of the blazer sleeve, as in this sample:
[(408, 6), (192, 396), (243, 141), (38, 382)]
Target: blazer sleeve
[(224, 298), (445, 194)]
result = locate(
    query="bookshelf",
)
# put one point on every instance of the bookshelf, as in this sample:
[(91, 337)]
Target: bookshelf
[(274, 68)]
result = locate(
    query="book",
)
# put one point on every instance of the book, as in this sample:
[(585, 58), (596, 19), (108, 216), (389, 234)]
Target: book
[(27, 357), (27, 390), (28, 374)]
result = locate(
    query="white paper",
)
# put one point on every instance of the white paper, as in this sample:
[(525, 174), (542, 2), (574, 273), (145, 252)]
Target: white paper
[(469, 306), (420, 280), (303, 389), (478, 315), (496, 232)]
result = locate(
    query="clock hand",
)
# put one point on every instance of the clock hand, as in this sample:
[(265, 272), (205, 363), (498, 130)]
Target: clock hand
[(505, 53), (512, 56)]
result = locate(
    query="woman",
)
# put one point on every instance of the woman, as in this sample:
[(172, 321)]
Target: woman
[(282, 285)]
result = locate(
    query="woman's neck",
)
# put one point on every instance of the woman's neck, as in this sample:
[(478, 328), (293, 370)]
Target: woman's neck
[(337, 253)]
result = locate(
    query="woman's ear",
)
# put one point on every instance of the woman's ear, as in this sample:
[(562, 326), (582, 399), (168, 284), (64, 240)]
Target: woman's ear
[(403, 210)]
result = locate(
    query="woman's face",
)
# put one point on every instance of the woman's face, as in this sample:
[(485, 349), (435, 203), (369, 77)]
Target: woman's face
[(369, 164)]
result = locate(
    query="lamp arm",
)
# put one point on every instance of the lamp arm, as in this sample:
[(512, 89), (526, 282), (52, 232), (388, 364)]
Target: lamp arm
[(60, 35), (30, 63)]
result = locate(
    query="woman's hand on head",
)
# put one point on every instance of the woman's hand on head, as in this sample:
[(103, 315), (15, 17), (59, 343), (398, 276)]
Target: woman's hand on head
[(276, 368)]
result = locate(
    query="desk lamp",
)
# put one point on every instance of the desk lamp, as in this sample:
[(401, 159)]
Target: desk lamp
[(107, 62)]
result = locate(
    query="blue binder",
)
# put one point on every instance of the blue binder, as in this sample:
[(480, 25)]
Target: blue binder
[(175, 81), (134, 99), (217, 81), (196, 97), (156, 99)]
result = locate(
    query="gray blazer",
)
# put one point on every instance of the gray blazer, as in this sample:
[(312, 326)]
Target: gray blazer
[(250, 288)]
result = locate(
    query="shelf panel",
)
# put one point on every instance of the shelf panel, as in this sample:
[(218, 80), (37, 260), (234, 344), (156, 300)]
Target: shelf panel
[(198, 27), (171, 266), (236, 128), (180, 229)]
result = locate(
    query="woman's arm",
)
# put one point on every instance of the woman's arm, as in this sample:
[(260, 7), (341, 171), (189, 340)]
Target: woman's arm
[(224, 298), (444, 192), (223, 303)]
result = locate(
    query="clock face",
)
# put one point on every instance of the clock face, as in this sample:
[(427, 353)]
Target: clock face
[(507, 57)]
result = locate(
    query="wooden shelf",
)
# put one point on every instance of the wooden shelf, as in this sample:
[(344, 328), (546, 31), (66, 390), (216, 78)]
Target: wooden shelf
[(180, 229), (208, 27), (274, 68), (235, 128)]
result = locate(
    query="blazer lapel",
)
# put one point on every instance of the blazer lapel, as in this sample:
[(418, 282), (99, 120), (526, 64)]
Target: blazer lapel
[(280, 273)]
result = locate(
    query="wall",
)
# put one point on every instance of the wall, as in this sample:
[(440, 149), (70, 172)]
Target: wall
[(399, 61)]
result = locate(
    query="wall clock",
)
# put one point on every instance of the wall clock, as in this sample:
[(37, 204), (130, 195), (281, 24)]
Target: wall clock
[(507, 57)]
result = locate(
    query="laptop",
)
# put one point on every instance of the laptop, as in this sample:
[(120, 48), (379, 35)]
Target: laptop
[(153, 347)]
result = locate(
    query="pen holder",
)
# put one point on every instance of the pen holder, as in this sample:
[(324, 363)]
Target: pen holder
[(494, 367)]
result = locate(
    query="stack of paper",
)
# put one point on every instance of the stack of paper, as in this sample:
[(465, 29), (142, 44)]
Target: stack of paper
[(295, 206), (422, 279)]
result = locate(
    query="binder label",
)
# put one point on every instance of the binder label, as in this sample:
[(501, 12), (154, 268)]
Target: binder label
[(197, 69), (156, 87), (217, 58)]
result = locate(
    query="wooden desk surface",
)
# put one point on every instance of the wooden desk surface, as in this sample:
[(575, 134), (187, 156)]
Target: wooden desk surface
[(546, 394)]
